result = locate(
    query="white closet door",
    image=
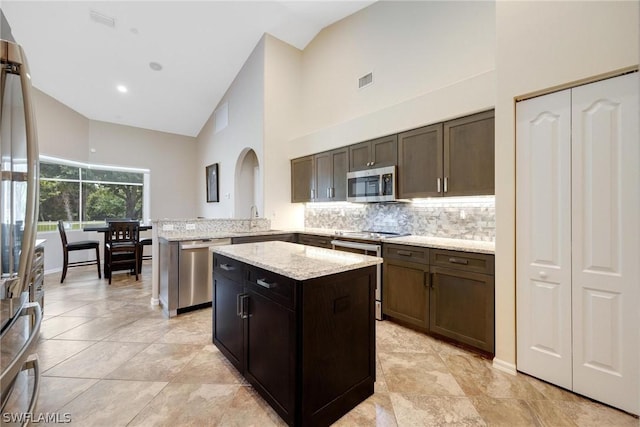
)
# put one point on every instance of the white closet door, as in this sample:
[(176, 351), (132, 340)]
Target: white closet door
[(606, 241), (543, 237)]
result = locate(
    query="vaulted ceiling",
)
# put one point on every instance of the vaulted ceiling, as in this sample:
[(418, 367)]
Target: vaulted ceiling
[(176, 59)]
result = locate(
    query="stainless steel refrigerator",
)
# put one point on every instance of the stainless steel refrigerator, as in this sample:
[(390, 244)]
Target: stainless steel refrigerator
[(19, 318)]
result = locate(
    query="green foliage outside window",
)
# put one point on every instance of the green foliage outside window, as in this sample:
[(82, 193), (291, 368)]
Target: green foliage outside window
[(103, 193)]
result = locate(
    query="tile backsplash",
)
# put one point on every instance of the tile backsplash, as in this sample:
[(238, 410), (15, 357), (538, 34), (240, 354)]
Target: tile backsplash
[(471, 218)]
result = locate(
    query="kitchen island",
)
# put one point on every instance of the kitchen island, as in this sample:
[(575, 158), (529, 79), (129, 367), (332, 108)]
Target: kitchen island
[(299, 323)]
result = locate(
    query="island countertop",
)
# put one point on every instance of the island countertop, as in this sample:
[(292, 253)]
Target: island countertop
[(298, 262)]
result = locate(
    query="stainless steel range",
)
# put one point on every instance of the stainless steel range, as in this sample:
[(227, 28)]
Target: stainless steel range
[(368, 243), (19, 319)]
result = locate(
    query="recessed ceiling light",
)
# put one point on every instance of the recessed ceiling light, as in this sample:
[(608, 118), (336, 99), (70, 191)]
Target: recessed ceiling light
[(122, 89), (155, 66)]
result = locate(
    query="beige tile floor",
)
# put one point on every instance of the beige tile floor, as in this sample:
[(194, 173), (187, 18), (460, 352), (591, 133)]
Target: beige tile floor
[(110, 359)]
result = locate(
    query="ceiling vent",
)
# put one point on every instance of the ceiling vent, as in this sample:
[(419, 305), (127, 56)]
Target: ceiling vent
[(366, 80), (101, 18)]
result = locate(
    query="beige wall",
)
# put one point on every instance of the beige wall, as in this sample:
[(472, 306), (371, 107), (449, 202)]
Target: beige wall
[(245, 99), (62, 132), (66, 134), (282, 121), (169, 157), (430, 60), (541, 45)]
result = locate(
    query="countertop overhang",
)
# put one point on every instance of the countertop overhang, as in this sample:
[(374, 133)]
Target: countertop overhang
[(298, 262)]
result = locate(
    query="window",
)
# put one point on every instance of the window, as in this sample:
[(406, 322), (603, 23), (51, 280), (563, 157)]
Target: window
[(82, 193)]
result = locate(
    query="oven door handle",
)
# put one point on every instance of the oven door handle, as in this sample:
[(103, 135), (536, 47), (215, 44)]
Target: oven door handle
[(355, 245)]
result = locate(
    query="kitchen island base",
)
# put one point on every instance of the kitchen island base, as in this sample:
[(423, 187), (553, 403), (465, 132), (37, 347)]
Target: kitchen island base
[(307, 346)]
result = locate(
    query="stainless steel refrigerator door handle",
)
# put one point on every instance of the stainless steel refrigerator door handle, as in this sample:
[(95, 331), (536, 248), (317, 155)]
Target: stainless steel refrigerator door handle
[(15, 56)]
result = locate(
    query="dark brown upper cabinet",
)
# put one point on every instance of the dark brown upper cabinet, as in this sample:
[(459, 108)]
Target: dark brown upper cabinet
[(302, 179), (469, 155), (331, 175), (420, 168), (376, 153), (454, 158)]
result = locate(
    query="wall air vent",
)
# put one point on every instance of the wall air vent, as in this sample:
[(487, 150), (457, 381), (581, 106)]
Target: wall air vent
[(366, 80), (101, 18)]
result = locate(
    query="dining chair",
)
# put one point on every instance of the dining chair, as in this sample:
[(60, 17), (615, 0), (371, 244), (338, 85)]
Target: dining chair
[(77, 246), (122, 246)]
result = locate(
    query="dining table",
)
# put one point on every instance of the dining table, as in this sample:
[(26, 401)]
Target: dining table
[(104, 228)]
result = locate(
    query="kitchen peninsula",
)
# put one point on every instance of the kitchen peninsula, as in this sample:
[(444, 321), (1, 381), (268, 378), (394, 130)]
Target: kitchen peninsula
[(299, 323)]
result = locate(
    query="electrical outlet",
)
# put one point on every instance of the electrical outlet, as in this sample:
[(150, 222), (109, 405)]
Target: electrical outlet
[(167, 227), (191, 226)]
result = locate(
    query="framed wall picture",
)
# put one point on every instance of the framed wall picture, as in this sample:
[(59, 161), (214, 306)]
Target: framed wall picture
[(212, 183)]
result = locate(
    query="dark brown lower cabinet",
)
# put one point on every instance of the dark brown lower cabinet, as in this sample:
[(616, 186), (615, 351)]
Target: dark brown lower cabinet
[(307, 347), (228, 326), (406, 293), (405, 284), (462, 307)]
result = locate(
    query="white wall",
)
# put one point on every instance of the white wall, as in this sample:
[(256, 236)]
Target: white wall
[(541, 45), (245, 99), (431, 61)]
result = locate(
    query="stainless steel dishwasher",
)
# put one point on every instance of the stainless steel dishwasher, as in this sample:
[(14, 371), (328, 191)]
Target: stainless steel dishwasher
[(195, 270)]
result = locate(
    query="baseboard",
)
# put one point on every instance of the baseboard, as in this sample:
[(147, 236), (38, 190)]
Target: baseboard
[(503, 366), (155, 301)]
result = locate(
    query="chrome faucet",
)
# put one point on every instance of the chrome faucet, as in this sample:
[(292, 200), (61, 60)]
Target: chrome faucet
[(254, 211)]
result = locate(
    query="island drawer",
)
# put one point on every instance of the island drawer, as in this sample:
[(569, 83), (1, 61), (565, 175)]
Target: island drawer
[(228, 267), (406, 253), (271, 285), (468, 261)]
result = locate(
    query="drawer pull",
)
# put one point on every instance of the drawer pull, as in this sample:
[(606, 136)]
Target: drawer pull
[(459, 261), (404, 253), (265, 284), (227, 267)]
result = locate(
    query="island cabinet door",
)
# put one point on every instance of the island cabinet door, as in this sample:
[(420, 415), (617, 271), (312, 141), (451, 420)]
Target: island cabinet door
[(270, 351), (228, 325)]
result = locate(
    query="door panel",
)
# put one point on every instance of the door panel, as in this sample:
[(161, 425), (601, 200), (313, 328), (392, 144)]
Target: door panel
[(606, 236), (420, 162), (323, 175), (543, 238), (340, 163), (228, 332)]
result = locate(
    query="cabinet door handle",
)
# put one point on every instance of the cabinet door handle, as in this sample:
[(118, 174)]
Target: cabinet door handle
[(238, 305), (332, 194), (227, 267), (265, 284), (459, 261), (404, 253), (313, 193), (446, 184), (427, 280), (438, 184), (244, 310)]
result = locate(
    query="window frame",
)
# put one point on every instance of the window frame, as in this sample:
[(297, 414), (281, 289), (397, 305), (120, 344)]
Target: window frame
[(146, 187)]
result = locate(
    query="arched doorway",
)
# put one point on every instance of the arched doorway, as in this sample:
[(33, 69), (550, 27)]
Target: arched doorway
[(248, 188)]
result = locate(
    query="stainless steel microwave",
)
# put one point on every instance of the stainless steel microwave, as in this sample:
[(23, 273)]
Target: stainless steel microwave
[(372, 185)]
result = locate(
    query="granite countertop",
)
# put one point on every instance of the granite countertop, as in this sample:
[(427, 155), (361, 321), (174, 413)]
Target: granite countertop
[(298, 262), (195, 235), (463, 245), (476, 246)]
